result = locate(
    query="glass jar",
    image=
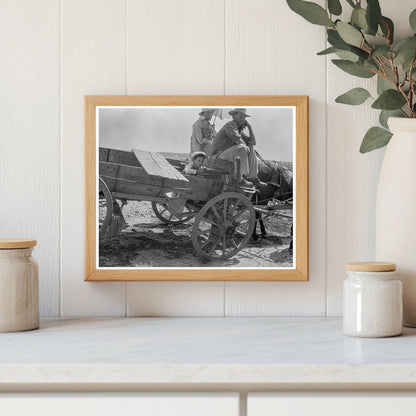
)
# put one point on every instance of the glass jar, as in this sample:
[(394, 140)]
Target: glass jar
[(19, 286), (372, 300)]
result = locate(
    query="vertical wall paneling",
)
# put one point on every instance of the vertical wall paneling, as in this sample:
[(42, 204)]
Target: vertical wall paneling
[(29, 119), (175, 299), (271, 50), (55, 52), (352, 177), (93, 59), (175, 47)]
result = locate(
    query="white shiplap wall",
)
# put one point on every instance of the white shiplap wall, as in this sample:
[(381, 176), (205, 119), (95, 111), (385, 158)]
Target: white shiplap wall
[(29, 134), (55, 52)]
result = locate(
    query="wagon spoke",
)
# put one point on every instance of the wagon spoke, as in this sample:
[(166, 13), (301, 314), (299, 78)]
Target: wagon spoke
[(225, 209), (224, 244), (204, 233), (214, 246), (243, 222), (210, 222), (234, 243), (168, 217), (205, 243), (214, 210)]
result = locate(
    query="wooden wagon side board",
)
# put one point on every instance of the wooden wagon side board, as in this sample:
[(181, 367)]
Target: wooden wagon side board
[(156, 165), (301, 251)]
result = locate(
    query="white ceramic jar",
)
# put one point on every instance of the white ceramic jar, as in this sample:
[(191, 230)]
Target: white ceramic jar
[(19, 286), (372, 300)]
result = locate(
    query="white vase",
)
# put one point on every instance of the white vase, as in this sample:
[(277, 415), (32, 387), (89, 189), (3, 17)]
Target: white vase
[(396, 210)]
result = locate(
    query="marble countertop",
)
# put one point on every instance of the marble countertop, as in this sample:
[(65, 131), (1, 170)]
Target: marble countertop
[(274, 352)]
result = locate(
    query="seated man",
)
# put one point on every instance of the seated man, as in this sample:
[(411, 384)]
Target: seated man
[(231, 142)]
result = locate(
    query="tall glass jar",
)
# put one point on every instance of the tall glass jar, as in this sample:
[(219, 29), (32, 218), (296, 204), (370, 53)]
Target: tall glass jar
[(19, 286), (372, 300)]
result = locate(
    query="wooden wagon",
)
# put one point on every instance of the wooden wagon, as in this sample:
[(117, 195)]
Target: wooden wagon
[(224, 217)]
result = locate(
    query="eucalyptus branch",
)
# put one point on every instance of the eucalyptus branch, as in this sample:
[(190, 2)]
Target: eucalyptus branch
[(406, 97), (368, 34)]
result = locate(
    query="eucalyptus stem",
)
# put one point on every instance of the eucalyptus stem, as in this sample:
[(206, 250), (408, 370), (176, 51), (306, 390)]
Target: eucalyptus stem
[(411, 82)]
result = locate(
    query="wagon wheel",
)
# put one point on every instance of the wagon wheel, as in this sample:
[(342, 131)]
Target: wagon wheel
[(105, 208), (162, 212), (223, 226)]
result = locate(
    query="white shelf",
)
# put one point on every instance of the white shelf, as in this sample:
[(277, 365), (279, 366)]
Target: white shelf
[(192, 353)]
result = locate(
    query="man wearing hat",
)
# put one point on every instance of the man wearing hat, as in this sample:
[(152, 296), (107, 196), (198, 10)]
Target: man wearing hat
[(232, 141), (203, 133)]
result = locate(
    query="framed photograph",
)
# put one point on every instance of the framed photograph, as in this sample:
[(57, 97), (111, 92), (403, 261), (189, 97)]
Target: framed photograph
[(196, 188)]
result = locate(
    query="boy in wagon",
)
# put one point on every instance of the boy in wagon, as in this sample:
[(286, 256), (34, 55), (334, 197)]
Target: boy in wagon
[(195, 166)]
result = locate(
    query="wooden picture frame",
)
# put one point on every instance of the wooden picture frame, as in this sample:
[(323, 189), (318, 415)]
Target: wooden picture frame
[(100, 109)]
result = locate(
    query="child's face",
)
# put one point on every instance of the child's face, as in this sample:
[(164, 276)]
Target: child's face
[(198, 161)]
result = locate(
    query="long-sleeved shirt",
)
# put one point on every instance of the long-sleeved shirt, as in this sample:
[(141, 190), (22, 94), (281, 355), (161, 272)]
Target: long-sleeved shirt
[(230, 135)]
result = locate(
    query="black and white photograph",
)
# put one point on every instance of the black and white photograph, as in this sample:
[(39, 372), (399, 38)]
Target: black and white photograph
[(196, 187)]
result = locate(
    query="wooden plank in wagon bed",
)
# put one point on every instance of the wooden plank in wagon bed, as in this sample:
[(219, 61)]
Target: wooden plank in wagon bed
[(156, 165)]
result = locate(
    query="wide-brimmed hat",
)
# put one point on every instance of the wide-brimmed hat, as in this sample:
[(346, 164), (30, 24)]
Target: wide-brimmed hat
[(239, 110), (199, 153), (206, 110)]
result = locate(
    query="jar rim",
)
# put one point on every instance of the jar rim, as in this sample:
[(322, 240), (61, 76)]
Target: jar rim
[(371, 266), (16, 243)]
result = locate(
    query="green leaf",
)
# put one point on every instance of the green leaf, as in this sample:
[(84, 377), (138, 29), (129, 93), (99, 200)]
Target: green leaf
[(334, 7), (311, 12), (386, 114), (352, 68), (348, 56), (389, 100), (349, 34), (383, 84), (328, 51), (373, 15), (356, 96), (375, 138), (387, 27), (371, 64), (382, 50), (335, 40), (358, 18), (405, 50), (412, 20)]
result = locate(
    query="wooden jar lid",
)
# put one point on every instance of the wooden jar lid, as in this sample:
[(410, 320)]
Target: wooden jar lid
[(371, 266), (11, 243)]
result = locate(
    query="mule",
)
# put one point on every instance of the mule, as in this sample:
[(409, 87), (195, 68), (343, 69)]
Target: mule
[(279, 180)]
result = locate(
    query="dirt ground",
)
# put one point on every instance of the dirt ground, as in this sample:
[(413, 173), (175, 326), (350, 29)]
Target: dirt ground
[(148, 242)]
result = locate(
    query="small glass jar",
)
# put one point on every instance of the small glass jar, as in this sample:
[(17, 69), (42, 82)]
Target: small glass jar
[(372, 300), (19, 286)]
